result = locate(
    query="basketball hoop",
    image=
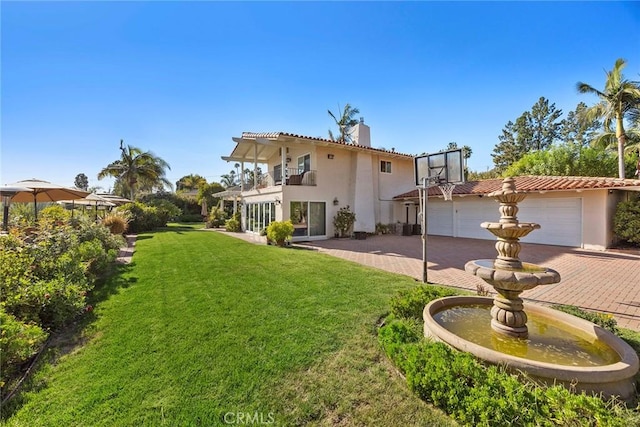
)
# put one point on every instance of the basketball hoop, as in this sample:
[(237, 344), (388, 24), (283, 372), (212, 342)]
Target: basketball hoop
[(447, 190)]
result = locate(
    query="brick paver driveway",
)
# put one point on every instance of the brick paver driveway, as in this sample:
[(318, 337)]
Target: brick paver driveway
[(593, 280)]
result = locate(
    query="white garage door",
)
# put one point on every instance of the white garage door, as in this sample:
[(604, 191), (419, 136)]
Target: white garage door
[(440, 218), (471, 212), (560, 220)]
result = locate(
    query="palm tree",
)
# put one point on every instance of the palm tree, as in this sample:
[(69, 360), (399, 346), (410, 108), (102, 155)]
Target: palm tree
[(190, 182), (137, 170), (228, 179), (346, 122), (619, 98)]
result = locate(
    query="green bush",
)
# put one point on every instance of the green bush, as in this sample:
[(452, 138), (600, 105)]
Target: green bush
[(165, 210), (410, 303), (52, 216), (190, 217), (187, 205), (478, 395), (142, 217), (44, 280), (280, 231), (626, 223), (19, 341), (232, 225), (216, 217), (343, 221)]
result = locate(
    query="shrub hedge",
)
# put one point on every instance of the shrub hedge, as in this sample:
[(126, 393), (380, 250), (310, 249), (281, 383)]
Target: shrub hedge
[(44, 279), (626, 223)]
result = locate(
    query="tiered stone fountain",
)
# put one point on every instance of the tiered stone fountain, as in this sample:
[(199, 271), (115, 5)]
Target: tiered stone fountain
[(507, 274), (555, 347)]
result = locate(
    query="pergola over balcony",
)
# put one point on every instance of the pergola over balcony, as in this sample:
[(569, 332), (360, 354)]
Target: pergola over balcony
[(259, 148)]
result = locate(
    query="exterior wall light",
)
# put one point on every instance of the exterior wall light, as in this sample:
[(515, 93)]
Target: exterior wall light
[(335, 201), (330, 156), (277, 201)]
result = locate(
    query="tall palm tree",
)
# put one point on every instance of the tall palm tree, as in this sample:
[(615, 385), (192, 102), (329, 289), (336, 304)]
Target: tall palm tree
[(137, 170), (347, 121), (619, 97)]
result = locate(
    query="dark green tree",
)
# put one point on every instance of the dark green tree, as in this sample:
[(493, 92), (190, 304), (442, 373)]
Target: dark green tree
[(509, 149), (346, 121), (81, 181), (618, 101), (136, 171), (577, 129), (534, 130)]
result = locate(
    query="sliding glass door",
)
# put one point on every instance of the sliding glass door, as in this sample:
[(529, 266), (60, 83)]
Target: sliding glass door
[(308, 218)]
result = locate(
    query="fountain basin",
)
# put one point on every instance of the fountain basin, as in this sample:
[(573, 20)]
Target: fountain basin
[(517, 279), (610, 379), (510, 230)]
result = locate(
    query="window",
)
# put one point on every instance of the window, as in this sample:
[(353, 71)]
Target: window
[(385, 167), (304, 163)]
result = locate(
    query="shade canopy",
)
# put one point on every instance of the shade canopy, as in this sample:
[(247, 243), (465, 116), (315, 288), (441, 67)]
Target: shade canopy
[(91, 200), (44, 191)]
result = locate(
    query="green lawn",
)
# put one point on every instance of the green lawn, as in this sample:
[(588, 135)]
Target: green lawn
[(203, 326)]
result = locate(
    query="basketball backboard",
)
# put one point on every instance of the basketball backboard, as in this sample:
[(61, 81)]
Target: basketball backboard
[(440, 168)]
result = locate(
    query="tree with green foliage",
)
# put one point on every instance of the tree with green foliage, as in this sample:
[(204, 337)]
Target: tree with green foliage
[(626, 223), (619, 98), (81, 181), (567, 160), (541, 125), (346, 121), (509, 150), (136, 171), (536, 129), (208, 192), (577, 129), (229, 179), (190, 182)]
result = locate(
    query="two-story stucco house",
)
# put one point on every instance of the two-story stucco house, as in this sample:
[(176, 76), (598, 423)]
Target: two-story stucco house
[(309, 179)]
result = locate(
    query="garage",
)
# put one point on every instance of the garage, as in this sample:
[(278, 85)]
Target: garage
[(560, 219), (439, 218)]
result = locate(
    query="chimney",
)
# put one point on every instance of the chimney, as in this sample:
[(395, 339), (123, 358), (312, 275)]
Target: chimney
[(361, 134)]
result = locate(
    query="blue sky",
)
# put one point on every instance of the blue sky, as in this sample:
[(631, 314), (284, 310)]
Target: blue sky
[(182, 79)]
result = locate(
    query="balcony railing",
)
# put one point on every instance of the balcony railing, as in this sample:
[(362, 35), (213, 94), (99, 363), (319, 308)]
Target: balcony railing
[(293, 176)]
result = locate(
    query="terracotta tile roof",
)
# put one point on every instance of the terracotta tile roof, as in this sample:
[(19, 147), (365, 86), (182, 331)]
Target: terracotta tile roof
[(276, 135), (533, 183)]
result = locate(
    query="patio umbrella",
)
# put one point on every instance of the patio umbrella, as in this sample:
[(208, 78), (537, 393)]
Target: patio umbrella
[(45, 191), (7, 193), (91, 200), (204, 211)]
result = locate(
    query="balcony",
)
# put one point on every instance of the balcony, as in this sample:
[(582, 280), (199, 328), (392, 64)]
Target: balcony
[(293, 176)]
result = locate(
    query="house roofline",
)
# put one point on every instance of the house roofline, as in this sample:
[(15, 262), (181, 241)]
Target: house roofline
[(534, 184), (285, 137)]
